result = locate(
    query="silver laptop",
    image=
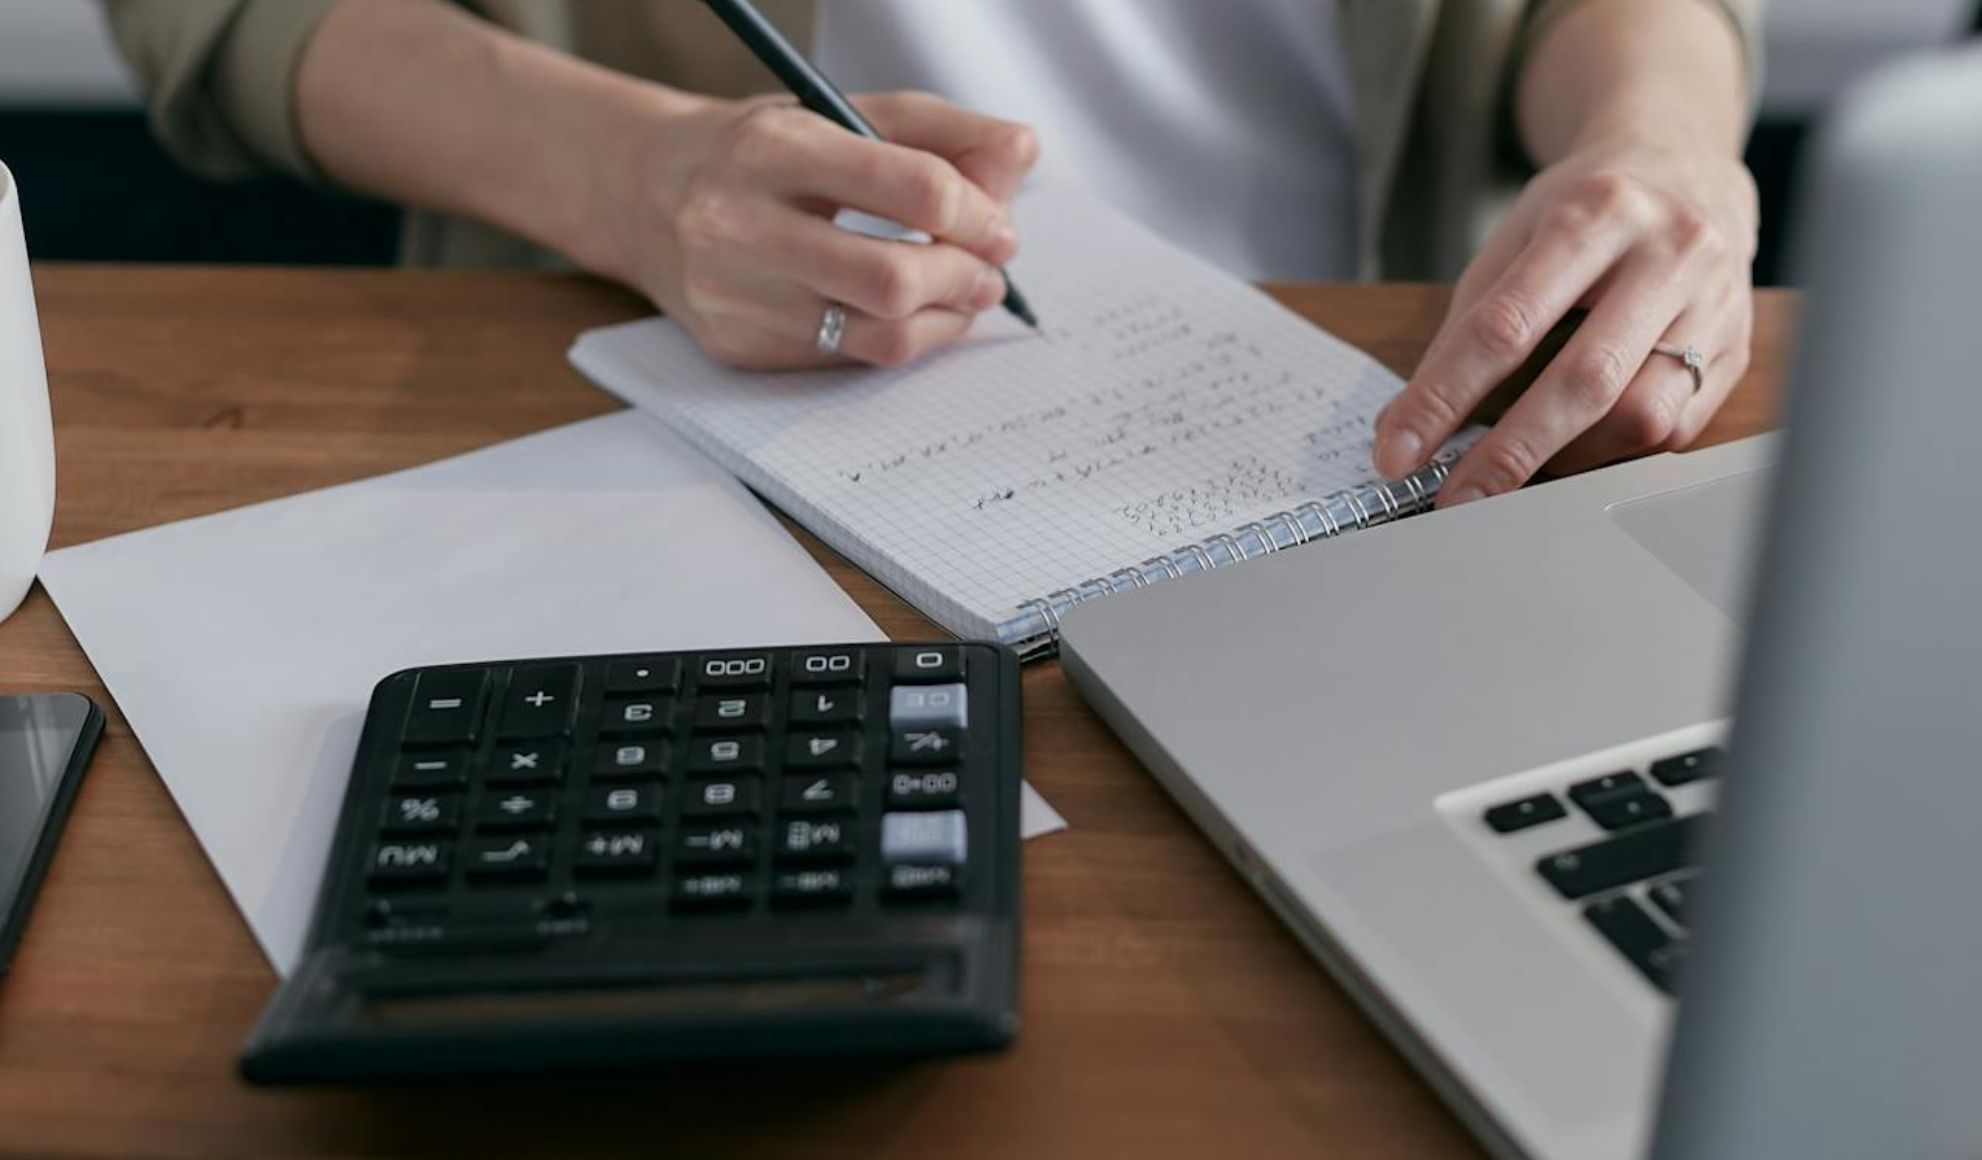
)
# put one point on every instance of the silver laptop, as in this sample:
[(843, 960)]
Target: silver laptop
[(1470, 757)]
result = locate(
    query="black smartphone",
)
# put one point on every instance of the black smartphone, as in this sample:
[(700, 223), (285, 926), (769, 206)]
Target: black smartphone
[(45, 743)]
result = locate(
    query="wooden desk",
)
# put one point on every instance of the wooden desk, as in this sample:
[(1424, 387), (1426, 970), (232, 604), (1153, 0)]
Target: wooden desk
[(1166, 1013)]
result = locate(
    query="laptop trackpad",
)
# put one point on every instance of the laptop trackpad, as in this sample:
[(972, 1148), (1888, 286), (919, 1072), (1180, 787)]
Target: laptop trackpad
[(1706, 534)]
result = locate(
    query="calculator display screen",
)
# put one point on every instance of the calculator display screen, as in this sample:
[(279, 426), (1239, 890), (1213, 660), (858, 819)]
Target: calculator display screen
[(682, 998)]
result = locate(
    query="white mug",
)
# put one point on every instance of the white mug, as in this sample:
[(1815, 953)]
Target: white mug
[(27, 436)]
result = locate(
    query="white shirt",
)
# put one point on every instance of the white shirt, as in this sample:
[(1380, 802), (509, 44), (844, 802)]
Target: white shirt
[(1224, 125)]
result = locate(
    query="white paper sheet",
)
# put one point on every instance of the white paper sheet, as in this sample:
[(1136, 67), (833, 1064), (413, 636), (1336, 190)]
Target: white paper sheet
[(243, 647)]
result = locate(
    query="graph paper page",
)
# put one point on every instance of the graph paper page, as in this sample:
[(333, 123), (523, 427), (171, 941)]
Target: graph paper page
[(1165, 402)]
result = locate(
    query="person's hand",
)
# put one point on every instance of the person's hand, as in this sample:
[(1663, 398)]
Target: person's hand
[(727, 224), (1657, 244)]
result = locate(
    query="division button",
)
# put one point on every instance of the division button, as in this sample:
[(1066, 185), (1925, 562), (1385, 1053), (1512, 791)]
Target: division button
[(517, 809), (643, 675), (938, 837), (540, 701), (928, 706), (446, 708), (928, 664), (616, 852)]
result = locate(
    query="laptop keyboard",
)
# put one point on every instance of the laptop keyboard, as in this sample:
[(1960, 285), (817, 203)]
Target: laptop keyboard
[(1632, 883)]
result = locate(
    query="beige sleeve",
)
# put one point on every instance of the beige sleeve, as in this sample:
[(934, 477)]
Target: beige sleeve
[(1745, 15), (220, 75)]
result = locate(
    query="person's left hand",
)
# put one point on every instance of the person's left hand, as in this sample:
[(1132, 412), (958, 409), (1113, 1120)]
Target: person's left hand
[(1657, 243)]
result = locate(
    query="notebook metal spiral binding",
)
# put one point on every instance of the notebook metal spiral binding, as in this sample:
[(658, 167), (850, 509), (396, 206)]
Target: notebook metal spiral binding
[(1035, 630)]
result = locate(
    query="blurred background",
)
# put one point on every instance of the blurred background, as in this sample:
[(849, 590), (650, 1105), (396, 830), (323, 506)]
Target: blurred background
[(95, 187)]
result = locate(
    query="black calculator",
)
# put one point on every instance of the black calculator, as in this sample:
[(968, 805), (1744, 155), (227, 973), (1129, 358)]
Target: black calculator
[(604, 860)]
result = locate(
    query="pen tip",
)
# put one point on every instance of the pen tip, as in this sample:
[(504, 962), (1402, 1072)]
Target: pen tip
[(1015, 303)]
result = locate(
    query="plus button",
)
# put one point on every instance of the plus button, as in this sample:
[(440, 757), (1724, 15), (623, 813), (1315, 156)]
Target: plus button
[(540, 698)]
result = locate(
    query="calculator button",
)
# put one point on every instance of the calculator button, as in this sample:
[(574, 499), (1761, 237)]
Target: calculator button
[(925, 746), (446, 709), (625, 803), (408, 863), (816, 794), (744, 711), (932, 789), (422, 812), (726, 754), (617, 852), (517, 856), (822, 886), (419, 770), (722, 795), (827, 707), (643, 675), (714, 890), (630, 759), (519, 809), (929, 664), (531, 763), (734, 672), (836, 666), (540, 701), (937, 838), (820, 839), (928, 706), (636, 715), (917, 881), (704, 845), (809, 751)]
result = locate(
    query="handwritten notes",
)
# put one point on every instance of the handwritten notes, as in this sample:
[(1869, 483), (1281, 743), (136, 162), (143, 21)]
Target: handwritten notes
[(1164, 402)]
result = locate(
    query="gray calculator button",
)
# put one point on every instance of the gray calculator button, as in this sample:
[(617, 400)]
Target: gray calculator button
[(915, 706), (937, 837)]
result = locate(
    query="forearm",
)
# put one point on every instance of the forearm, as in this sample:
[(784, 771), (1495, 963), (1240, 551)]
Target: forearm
[(419, 102), (1663, 72)]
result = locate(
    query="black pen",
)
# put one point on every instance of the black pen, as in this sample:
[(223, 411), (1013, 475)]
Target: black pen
[(820, 95)]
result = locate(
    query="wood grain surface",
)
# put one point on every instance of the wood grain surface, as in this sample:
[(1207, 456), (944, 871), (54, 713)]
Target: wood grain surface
[(1166, 1014)]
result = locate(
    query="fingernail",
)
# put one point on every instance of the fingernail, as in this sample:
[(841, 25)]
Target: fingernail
[(988, 291), (1005, 242), (1466, 494), (1397, 453)]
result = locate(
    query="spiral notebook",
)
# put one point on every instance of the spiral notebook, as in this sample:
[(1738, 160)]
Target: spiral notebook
[(1170, 419)]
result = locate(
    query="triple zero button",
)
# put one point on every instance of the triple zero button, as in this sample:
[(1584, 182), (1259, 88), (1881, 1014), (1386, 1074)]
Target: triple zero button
[(738, 671)]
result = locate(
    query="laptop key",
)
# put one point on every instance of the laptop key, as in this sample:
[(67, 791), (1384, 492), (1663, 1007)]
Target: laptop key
[(1627, 807), (1519, 815), (1672, 896), (1609, 783), (1688, 767), (1642, 941), (1642, 852)]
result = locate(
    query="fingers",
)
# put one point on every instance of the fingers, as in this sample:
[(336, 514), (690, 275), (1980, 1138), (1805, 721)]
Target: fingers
[(1660, 410), (1487, 339), (1582, 385), (887, 279), (765, 322), (993, 154)]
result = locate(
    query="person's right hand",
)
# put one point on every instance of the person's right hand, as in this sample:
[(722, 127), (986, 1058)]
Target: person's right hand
[(727, 224)]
